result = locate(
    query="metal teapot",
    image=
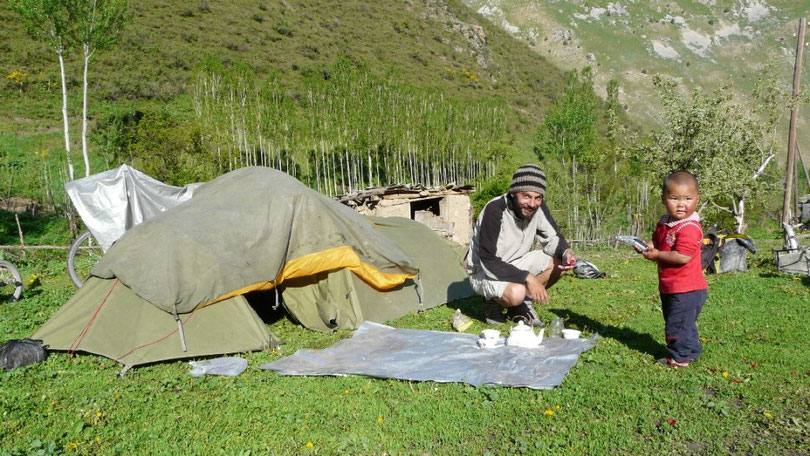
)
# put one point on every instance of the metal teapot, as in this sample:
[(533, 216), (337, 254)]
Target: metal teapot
[(522, 335)]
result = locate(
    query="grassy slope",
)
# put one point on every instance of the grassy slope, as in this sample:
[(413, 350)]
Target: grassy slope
[(717, 43), (747, 395), (165, 41)]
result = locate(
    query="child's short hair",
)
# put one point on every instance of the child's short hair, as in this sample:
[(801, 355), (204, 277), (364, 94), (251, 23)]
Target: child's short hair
[(681, 177)]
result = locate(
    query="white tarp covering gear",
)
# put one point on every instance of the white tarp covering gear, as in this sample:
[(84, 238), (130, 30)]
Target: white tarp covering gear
[(114, 201), (381, 351)]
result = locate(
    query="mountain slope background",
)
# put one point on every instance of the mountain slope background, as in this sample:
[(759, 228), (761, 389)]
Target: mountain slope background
[(705, 43), (431, 44)]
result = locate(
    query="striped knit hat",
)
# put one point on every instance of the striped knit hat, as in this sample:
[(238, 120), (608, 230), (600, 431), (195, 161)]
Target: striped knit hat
[(529, 178)]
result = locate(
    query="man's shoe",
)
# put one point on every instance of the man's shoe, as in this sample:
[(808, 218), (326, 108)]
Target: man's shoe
[(493, 312), (672, 363), (525, 313)]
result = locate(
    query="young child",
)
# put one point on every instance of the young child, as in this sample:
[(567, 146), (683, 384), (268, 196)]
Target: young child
[(676, 245)]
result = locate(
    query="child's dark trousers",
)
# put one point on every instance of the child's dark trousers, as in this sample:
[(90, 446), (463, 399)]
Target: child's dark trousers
[(681, 312)]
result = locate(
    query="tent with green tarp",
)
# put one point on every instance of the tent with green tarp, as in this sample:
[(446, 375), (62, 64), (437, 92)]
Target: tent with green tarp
[(175, 286)]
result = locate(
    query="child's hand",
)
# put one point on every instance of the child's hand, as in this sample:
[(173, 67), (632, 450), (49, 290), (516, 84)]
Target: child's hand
[(641, 246), (651, 253)]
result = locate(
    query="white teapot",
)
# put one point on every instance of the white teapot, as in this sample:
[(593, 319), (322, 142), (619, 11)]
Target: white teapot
[(522, 335)]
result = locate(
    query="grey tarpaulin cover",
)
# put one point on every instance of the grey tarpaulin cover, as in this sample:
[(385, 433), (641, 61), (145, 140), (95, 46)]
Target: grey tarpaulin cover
[(114, 201), (381, 351)]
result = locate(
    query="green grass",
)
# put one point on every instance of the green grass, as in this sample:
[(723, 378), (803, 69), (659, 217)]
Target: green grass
[(748, 394)]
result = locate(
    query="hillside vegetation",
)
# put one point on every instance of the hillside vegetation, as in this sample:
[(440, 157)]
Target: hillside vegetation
[(427, 44), (706, 44), (431, 60), (340, 95)]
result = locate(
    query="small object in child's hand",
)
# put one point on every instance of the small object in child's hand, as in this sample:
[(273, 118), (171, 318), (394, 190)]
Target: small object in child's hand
[(633, 242)]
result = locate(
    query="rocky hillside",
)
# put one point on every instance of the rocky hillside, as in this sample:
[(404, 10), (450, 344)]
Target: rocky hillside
[(704, 43)]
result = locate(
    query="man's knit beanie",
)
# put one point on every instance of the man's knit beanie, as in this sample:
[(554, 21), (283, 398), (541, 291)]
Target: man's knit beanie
[(528, 178)]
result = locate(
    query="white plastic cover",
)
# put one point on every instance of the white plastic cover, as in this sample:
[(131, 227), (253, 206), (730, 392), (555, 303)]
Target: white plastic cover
[(226, 366), (114, 201), (381, 351)]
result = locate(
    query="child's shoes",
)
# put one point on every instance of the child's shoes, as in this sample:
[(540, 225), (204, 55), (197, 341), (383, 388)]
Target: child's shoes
[(672, 363)]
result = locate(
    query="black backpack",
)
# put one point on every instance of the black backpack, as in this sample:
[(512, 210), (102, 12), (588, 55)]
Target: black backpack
[(21, 352), (708, 253)]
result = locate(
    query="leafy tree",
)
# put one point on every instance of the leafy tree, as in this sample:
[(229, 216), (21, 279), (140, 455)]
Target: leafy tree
[(49, 22), (569, 129), (569, 133), (96, 26), (728, 145)]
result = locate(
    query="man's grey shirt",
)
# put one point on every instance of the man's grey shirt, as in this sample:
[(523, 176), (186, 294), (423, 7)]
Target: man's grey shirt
[(502, 236)]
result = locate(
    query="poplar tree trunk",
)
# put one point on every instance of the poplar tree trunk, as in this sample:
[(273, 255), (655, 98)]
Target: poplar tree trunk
[(65, 112), (85, 156)]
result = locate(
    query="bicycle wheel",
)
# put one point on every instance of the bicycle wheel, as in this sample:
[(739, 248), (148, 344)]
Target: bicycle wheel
[(10, 282), (84, 253)]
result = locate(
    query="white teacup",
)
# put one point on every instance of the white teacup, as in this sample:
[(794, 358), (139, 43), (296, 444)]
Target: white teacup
[(489, 338), (490, 334), (487, 343)]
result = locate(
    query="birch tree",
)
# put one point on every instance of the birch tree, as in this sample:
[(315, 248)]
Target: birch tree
[(48, 21), (97, 25)]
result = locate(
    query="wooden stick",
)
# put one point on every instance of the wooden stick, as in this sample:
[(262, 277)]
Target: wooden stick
[(801, 160), (794, 114), (38, 247), (19, 230)]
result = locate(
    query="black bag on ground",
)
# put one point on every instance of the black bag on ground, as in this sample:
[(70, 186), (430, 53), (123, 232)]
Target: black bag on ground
[(708, 253), (21, 352)]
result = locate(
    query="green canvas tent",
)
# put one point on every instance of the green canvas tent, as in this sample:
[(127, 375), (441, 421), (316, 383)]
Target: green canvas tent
[(175, 285)]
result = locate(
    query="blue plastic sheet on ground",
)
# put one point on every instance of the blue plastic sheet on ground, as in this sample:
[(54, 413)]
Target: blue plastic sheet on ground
[(381, 351)]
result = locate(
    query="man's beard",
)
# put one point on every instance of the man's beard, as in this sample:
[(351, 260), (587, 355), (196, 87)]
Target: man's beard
[(527, 217)]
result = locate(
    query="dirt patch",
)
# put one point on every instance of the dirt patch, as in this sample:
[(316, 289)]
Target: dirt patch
[(709, 391)]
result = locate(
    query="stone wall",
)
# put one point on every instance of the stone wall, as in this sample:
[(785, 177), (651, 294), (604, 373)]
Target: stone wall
[(453, 222)]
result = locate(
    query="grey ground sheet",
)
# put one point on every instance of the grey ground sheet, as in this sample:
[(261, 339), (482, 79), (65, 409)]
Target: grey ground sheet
[(381, 351)]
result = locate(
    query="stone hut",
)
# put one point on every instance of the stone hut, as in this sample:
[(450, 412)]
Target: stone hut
[(446, 210)]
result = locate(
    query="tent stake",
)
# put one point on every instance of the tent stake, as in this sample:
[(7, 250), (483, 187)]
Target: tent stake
[(180, 332), (419, 287)]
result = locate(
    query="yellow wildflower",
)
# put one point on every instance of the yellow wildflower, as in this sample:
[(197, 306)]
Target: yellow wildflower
[(379, 419), (72, 446), (346, 391), (556, 407), (98, 439), (725, 374), (310, 444), (98, 414), (549, 412), (768, 415)]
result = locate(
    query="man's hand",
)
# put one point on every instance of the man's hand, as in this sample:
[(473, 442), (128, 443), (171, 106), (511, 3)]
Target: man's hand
[(568, 261), (535, 289)]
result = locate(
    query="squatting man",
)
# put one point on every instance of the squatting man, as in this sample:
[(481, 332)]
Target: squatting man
[(501, 262)]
